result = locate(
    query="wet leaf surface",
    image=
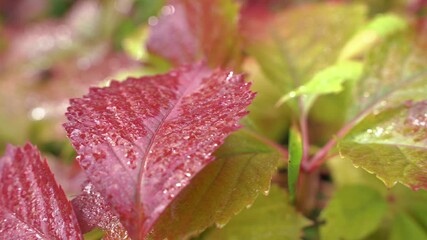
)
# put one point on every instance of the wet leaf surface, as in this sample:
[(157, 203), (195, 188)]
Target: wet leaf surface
[(32, 205), (141, 141)]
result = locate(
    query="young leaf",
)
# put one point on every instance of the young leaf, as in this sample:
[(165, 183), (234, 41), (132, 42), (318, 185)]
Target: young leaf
[(377, 30), (353, 213), (270, 217), (295, 157), (204, 29), (242, 169), (141, 141), (328, 80), (392, 144), (32, 205), (293, 45)]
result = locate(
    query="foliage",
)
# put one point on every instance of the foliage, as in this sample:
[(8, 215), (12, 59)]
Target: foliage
[(214, 104)]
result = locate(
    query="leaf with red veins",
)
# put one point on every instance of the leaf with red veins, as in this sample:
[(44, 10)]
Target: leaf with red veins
[(32, 205), (188, 31), (392, 144), (92, 211), (142, 140)]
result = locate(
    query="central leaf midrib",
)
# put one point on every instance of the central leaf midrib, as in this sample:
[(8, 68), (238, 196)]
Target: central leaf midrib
[(151, 142)]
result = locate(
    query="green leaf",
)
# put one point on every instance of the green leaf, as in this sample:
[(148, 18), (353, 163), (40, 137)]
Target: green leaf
[(400, 200), (293, 45), (353, 213), (383, 144), (376, 30), (344, 173), (295, 157), (243, 168), (328, 80), (271, 121), (392, 145), (395, 71), (405, 227), (270, 217)]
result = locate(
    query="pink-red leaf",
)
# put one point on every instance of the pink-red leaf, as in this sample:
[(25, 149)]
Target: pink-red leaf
[(142, 140), (191, 30), (92, 211), (32, 205)]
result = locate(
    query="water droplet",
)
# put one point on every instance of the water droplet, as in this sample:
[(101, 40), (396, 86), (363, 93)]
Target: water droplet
[(379, 131), (266, 192), (153, 21), (131, 164), (168, 10), (229, 76), (220, 225), (84, 163), (38, 113)]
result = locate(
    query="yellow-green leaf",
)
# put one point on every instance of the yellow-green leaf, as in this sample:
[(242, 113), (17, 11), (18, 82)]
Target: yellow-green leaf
[(378, 29), (392, 145), (243, 168), (269, 218), (328, 80)]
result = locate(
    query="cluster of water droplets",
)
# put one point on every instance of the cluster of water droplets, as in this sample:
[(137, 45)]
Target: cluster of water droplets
[(95, 212), (204, 118), (414, 123)]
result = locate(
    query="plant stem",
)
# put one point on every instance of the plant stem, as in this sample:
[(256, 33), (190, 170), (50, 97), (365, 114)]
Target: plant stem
[(304, 134), (321, 156)]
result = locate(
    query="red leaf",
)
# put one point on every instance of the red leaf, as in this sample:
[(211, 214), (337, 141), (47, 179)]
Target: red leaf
[(191, 30), (32, 205), (142, 140), (92, 211)]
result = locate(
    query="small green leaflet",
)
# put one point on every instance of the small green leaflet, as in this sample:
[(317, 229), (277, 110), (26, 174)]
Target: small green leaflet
[(295, 156), (328, 80), (378, 29)]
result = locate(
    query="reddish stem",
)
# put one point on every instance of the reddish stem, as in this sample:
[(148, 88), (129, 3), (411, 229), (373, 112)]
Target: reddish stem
[(321, 156), (304, 134)]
